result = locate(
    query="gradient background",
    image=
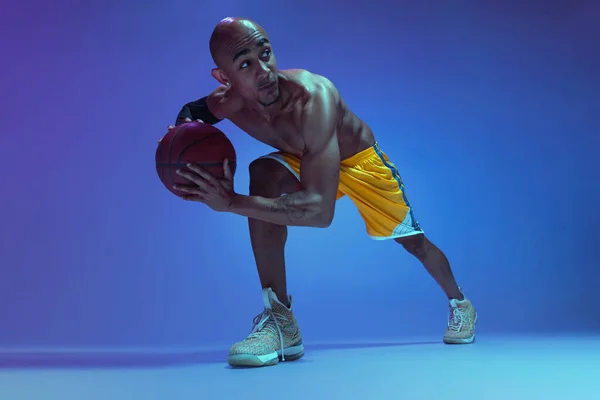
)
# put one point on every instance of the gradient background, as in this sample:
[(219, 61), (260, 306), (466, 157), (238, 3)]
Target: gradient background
[(489, 109)]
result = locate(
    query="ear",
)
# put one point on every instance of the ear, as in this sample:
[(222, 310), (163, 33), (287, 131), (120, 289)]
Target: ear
[(220, 76)]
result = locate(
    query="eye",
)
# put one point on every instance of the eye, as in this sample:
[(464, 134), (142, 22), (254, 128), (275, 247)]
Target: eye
[(247, 63)]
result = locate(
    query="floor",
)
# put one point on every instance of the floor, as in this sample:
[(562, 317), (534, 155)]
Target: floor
[(512, 368)]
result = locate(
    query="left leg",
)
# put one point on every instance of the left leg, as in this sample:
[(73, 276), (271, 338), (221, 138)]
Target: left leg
[(462, 314), (434, 261), (374, 185)]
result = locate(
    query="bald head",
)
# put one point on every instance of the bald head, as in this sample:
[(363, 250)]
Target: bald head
[(241, 50), (229, 33)]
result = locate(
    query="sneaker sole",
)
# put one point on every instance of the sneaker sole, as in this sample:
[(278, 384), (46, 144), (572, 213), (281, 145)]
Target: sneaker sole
[(459, 341), (250, 360), (468, 340)]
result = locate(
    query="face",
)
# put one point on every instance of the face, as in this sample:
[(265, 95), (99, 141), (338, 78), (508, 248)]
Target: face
[(248, 64)]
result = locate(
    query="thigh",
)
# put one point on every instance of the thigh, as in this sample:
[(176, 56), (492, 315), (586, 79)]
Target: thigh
[(291, 164), (374, 185), (278, 168)]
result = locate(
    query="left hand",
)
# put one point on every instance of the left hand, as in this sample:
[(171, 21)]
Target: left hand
[(215, 193)]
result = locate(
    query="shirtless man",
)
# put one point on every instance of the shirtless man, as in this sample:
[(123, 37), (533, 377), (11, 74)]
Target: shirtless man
[(325, 152)]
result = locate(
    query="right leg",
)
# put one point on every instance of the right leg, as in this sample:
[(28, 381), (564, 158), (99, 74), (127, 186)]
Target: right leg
[(275, 335), (269, 178)]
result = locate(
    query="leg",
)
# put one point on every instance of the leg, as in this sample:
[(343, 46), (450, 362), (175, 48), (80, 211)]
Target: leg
[(462, 320), (275, 335), (379, 194), (434, 261), (269, 178)]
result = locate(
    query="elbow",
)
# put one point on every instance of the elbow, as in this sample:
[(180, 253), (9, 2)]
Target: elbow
[(324, 217), (319, 211), (324, 220)]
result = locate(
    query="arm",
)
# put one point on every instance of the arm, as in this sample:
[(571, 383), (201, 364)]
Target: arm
[(197, 110), (213, 108), (319, 173)]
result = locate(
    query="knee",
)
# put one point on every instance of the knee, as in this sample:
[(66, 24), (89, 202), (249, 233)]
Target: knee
[(259, 169), (262, 179), (415, 245)]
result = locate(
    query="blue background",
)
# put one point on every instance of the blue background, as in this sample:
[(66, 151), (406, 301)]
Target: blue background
[(490, 110)]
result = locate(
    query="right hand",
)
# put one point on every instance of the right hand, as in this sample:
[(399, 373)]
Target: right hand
[(173, 126)]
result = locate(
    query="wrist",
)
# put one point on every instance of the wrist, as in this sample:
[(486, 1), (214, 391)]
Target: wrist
[(234, 203)]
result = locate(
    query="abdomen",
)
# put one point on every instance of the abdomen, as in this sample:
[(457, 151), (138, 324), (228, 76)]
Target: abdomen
[(353, 134)]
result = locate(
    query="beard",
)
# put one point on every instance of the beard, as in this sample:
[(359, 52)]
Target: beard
[(271, 98), (269, 103)]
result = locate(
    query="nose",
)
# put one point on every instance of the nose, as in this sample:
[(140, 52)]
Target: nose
[(262, 70)]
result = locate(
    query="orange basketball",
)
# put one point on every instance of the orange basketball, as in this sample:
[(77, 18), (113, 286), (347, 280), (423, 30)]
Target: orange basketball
[(196, 143)]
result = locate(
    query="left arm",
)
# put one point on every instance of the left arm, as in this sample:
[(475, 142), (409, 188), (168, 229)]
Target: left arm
[(319, 173)]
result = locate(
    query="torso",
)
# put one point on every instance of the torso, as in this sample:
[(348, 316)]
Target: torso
[(283, 132)]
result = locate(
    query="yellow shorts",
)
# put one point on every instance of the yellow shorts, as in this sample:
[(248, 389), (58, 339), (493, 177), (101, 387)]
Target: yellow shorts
[(374, 185)]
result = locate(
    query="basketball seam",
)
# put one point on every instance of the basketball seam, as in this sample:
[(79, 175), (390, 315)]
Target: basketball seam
[(193, 144), (181, 153)]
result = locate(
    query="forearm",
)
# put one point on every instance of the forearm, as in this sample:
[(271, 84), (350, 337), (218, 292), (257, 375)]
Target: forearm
[(197, 110), (296, 209)]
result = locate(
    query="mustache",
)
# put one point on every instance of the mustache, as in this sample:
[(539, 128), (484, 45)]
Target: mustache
[(263, 84)]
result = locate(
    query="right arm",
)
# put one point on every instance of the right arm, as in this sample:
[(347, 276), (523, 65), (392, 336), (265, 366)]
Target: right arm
[(198, 109), (210, 109)]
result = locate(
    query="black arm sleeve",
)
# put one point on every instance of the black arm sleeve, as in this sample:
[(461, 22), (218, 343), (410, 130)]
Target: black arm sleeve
[(197, 110)]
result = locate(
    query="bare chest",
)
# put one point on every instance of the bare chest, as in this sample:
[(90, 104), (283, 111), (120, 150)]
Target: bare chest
[(283, 133)]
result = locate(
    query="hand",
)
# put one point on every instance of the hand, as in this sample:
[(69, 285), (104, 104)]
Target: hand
[(215, 193), (186, 120)]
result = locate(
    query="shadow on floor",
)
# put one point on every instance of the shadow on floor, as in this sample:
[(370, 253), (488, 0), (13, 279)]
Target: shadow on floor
[(104, 360)]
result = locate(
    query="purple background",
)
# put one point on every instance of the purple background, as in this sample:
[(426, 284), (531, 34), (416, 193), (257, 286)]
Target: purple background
[(490, 110)]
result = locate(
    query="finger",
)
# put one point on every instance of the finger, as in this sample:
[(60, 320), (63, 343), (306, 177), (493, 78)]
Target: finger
[(199, 120), (195, 178), (190, 176), (203, 173), (194, 190), (186, 119), (227, 170), (196, 198), (168, 129)]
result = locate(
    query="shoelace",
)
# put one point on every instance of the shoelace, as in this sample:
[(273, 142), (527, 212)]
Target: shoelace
[(261, 326), (457, 317)]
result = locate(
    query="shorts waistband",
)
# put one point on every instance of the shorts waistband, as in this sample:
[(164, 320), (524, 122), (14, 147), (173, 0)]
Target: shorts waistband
[(363, 155)]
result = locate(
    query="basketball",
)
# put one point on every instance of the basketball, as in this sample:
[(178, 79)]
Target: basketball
[(196, 143)]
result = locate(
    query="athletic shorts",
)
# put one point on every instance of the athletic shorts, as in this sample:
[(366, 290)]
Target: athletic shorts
[(374, 185)]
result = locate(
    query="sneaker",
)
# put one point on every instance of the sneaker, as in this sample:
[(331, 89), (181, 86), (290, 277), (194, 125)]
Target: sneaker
[(461, 323), (275, 336)]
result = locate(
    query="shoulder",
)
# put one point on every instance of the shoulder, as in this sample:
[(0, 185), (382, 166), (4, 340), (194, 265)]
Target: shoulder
[(322, 98), (311, 93), (318, 111), (223, 103), (310, 83)]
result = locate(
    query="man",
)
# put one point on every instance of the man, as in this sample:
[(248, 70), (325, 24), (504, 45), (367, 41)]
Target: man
[(325, 152)]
